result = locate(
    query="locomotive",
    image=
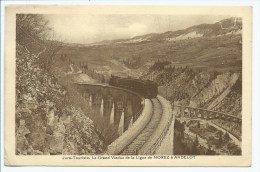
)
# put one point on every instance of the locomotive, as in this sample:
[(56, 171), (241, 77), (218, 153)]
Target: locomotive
[(146, 88)]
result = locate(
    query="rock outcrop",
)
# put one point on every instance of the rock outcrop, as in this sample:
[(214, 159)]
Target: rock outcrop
[(46, 122), (213, 90)]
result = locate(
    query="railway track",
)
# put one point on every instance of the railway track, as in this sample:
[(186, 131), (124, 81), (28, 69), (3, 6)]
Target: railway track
[(145, 134)]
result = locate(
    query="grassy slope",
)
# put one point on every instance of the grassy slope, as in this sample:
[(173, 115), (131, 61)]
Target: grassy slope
[(221, 53)]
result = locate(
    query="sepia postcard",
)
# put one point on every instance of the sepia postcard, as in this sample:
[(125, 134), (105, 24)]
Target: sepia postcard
[(96, 85)]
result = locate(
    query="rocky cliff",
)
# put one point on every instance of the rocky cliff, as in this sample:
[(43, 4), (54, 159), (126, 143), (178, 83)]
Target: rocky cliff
[(199, 88), (46, 122)]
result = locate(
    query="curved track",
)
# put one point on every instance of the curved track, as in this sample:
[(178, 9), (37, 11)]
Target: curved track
[(145, 134)]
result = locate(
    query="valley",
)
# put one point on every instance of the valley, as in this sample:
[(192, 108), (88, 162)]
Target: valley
[(200, 67)]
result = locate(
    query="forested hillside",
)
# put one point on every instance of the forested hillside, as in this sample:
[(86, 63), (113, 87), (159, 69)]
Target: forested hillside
[(208, 89), (46, 120), (215, 47)]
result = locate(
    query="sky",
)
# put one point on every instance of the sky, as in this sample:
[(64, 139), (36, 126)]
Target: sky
[(85, 29)]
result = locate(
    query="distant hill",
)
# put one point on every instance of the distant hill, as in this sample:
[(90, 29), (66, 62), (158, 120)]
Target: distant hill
[(215, 46), (223, 27)]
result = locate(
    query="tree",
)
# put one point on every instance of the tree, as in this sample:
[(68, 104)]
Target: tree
[(198, 124), (195, 145), (220, 139), (50, 50), (226, 136), (31, 28), (33, 32)]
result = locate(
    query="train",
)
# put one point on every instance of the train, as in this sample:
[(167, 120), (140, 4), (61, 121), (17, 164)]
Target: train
[(146, 88)]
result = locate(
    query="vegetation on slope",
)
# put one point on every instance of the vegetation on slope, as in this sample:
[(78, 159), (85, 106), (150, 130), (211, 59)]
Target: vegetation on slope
[(217, 48), (46, 121)]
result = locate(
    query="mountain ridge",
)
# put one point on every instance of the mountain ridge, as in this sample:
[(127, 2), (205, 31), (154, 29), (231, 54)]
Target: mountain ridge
[(221, 27), (216, 46)]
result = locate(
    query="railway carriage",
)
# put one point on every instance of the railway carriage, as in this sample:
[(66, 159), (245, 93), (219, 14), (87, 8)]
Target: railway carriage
[(146, 88)]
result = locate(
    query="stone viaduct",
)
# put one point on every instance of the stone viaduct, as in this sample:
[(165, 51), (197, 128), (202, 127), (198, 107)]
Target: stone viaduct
[(113, 103), (144, 128)]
